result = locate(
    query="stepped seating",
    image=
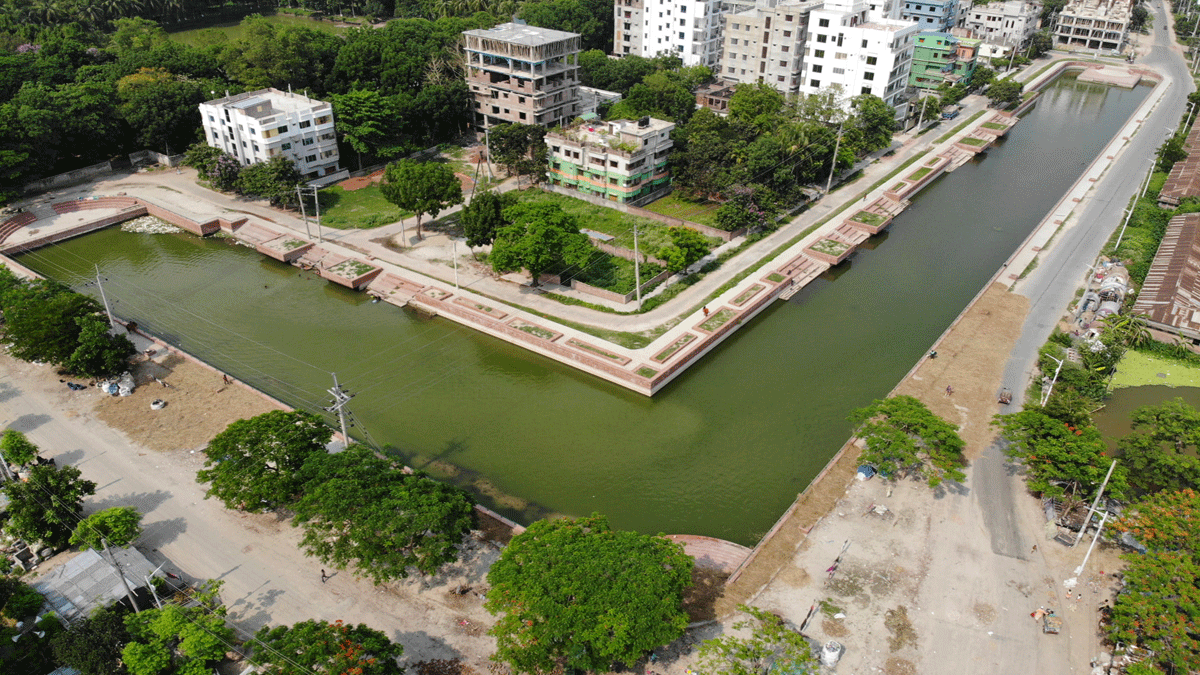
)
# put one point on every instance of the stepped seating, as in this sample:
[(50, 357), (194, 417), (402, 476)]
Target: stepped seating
[(87, 204), (15, 223), (850, 234)]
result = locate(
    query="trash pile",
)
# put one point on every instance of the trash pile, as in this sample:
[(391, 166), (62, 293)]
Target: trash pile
[(149, 225), (120, 386)]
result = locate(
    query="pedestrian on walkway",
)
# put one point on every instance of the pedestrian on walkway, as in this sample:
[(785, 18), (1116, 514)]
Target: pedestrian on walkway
[(324, 576), (949, 390), (706, 310), (1034, 549), (225, 378)]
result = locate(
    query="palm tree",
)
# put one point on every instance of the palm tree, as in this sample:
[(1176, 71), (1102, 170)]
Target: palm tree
[(1130, 329)]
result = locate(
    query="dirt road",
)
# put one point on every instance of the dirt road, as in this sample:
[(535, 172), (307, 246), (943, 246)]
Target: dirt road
[(267, 579)]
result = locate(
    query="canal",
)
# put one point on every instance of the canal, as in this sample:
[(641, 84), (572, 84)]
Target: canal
[(721, 451)]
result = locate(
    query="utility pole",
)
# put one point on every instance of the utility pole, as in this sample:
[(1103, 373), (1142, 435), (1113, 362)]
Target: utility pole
[(340, 399), (1103, 519), (487, 148), (113, 561), (637, 269), (833, 164), (454, 247), (1050, 389), (303, 213), (107, 310), (1095, 503), (317, 206)]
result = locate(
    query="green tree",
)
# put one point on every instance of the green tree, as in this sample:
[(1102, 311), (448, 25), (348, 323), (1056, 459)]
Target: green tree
[(749, 207), (40, 320), (323, 648), (982, 78), (519, 148), (15, 448), (98, 353), (119, 526), (771, 647), (1041, 43), (578, 595), (47, 505), (275, 180), (425, 188), (18, 599), (176, 639), (1061, 460), (161, 108), (1130, 330), (1161, 450), (484, 216), (361, 509), (686, 247), (255, 464), (1005, 92), (93, 646), (757, 105), (874, 122), (1171, 151), (1159, 608), (537, 237), (904, 437), (366, 120), (1137, 17), (1165, 521), (592, 19)]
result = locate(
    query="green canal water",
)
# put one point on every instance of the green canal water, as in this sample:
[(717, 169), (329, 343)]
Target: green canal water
[(722, 451)]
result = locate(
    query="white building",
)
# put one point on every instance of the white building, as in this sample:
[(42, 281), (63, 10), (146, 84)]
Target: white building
[(766, 44), (854, 53), (258, 125), (689, 29), (1008, 23)]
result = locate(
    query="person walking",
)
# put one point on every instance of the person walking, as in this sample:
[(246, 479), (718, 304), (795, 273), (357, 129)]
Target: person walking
[(324, 576)]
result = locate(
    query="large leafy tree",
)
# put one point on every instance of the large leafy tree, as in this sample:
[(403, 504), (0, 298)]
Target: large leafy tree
[(874, 123), (176, 639), (771, 646), (537, 237), (1061, 460), (425, 188), (40, 320), (1166, 521), (361, 509), (118, 526), (161, 108), (1161, 450), (1159, 608), (47, 505), (16, 448), (592, 19), (270, 55), (484, 216), (93, 646), (365, 118), (275, 180), (519, 149), (903, 437), (323, 648), (98, 352), (255, 464), (1006, 91), (578, 595), (686, 247)]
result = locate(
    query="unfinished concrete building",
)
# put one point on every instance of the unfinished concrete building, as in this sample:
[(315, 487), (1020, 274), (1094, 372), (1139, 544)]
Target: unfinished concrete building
[(766, 44), (1094, 24), (523, 74)]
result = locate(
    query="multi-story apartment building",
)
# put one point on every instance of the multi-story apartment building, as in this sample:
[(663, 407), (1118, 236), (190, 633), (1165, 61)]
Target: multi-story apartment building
[(258, 125), (689, 29), (1010, 23), (623, 161), (941, 57), (766, 44), (1094, 24), (936, 15), (847, 51), (523, 74)]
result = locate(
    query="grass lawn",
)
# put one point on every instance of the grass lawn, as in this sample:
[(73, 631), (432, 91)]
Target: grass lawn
[(675, 206), (919, 174), (1136, 369), (972, 141), (652, 235), (358, 209), (868, 218), (612, 273), (993, 125), (233, 31)]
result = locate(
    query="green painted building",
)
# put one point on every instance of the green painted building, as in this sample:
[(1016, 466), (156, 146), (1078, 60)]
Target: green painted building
[(942, 57)]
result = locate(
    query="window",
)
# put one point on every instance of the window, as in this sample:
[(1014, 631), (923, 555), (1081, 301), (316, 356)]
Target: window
[(871, 60), (281, 130), (310, 158), (819, 54), (787, 33), (780, 78), (822, 38), (323, 119), (864, 44), (254, 146), (815, 84), (211, 118), (612, 163), (682, 22), (840, 56), (732, 69), (307, 141), (737, 27), (681, 35), (868, 76), (839, 71), (733, 42), (866, 90), (783, 64), (816, 68), (522, 115), (823, 23), (306, 124), (785, 48), (788, 18)]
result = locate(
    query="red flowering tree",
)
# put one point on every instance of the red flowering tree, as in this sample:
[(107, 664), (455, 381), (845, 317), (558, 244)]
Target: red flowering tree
[(323, 648), (1061, 460), (1166, 521)]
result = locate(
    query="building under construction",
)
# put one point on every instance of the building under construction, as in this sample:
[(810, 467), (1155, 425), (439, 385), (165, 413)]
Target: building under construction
[(1094, 24), (523, 74)]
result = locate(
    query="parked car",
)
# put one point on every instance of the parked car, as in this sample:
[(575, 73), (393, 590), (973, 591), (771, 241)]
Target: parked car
[(951, 112)]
